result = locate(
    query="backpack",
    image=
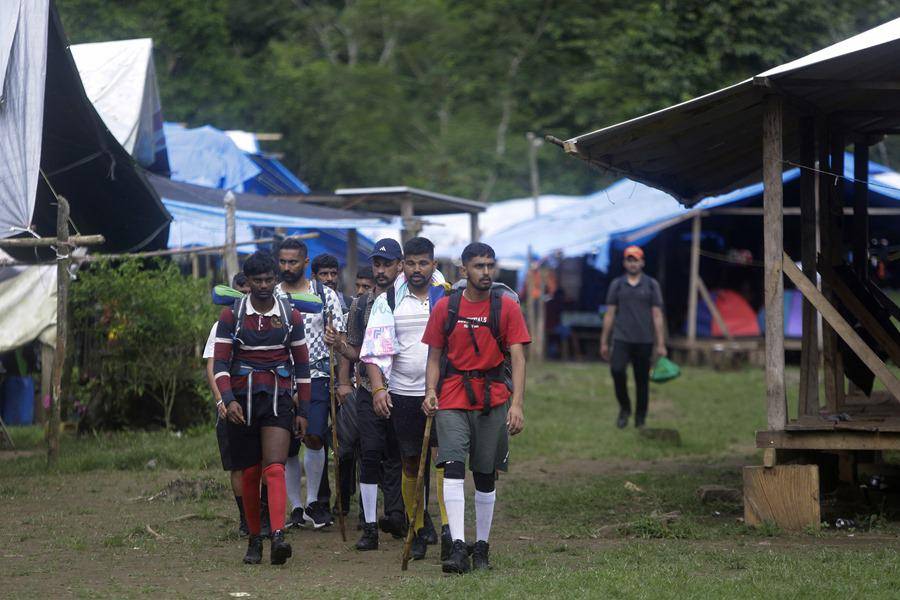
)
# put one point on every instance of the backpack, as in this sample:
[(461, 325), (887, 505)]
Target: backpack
[(239, 310), (503, 371)]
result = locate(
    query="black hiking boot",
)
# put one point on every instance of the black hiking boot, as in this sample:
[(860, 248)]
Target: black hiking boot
[(458, 561), (369, 539), (480, 560), (419, 546), (280, 550), (427, 532), (318, 515), (243, 530), (622, 421), (446, 542), (394, 524), (254, 550), (297, 519), (639, 422)]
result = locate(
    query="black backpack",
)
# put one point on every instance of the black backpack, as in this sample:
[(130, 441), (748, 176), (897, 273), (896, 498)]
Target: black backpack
[(502, 372)]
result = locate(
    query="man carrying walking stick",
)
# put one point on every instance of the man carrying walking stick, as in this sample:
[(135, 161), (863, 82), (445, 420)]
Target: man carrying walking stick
[(477, 403)]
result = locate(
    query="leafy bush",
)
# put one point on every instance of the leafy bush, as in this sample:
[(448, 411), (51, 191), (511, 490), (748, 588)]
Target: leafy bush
[(138, 327)]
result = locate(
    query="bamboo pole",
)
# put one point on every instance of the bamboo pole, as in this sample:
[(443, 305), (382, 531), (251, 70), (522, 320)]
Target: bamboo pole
[(62, 328), (693, 288)]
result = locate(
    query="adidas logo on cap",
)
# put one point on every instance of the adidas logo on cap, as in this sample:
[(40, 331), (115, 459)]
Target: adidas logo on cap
[(382, 249)]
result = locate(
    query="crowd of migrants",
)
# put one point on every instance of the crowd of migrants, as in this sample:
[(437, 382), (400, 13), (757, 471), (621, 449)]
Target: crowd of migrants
[(410, 350)]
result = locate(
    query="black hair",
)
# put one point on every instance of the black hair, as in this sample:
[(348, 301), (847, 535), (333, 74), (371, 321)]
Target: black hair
[(324, 261), (476, 249), (260, 263), (293, 244), (365, 273), (239, 280), (418, 245)]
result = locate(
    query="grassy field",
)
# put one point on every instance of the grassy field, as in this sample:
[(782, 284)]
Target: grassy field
[(586, 511)]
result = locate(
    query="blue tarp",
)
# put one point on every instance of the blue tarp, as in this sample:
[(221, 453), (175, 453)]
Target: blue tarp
[(206, 156), (274, 178), (608, 220)]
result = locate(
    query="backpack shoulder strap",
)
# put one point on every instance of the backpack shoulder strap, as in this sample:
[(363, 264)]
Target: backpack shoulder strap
[(495, 314), (391, 298), (453, 300), (239, 310)]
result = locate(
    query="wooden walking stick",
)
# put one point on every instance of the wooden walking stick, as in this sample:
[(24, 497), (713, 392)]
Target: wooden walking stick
[(420, 492), (334, 442)]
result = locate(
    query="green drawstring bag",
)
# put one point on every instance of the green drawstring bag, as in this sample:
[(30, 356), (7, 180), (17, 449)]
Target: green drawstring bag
[(664, 370)]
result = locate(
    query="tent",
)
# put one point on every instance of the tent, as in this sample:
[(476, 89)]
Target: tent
[(119, 78), (199, 219), (52, 141), (206, 156), (739, 316)]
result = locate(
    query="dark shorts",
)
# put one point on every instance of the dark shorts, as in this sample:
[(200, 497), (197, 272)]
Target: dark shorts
[(245, 441), (408, 422), (468, 436), (222, 438), (316, 412)]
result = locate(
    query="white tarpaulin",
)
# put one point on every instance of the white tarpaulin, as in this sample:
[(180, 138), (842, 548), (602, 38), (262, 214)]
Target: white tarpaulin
[(27, 306), (120, 80), (23, 72)]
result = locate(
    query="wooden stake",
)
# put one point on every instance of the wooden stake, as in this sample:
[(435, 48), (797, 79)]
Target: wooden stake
[(776, 404), (860, 209), (62, 326), (713, 310), (231, 259)]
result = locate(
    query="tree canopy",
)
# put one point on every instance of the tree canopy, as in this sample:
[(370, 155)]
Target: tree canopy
[(438, 93)]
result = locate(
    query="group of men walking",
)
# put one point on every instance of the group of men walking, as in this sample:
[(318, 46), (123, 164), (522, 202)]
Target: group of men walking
[(409, 348)]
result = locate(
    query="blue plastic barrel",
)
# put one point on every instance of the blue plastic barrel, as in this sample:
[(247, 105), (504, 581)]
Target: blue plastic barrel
[(18, 401)]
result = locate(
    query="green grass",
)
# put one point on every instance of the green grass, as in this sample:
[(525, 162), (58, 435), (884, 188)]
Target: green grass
[(569, 525)]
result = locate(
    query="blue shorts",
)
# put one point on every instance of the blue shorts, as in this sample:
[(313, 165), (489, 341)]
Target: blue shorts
[(316, 412)]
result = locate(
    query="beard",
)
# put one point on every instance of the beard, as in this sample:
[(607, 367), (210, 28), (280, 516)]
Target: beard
[(482, 285), (290, 276)]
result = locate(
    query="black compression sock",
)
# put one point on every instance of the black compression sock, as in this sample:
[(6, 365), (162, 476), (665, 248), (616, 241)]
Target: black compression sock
[(240, 504)]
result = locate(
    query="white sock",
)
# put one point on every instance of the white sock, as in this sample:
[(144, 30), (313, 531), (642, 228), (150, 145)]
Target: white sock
[(313, 464), (455, 503), (369, 494), (293, 471), (484, 514)]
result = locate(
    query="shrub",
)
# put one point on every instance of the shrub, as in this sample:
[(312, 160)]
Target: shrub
[(138, 327)]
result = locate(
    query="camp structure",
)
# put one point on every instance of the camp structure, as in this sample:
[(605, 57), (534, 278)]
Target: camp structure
[(119, 78), (801, 114), (65, 183)]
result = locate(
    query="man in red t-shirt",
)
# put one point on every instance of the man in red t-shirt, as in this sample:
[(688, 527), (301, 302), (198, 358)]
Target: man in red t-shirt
[(474, 421)]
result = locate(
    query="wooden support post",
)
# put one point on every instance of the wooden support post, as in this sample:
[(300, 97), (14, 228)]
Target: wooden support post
[(352, 262), (842, 328), (861, 209), (773, 249), (786, 495), (809, 344), (411, 225), (195, 266), (692, 288), (231, 259), (62, 326), (832, 365), (474, 233), (837, 143)]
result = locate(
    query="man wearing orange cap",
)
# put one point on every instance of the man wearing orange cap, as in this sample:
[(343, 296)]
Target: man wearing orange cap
[(634, 318)]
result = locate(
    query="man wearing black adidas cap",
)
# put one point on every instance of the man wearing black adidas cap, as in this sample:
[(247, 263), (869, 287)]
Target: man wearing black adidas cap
[(379, 450)]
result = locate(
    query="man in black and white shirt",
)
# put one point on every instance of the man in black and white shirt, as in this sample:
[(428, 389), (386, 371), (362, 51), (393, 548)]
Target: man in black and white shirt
[(293, 258)]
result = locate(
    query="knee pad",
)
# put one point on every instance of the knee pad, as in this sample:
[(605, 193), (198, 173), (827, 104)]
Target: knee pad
[(484, 482), (454, 470)]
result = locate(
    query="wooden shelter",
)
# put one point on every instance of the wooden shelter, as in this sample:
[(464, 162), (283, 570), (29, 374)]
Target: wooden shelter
[(801, 114)]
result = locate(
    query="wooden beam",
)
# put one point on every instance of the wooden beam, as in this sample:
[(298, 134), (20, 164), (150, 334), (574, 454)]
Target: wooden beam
[(231, 258), (474, 232), (842, 327), (847, 84), (191, 249), (786, 495), (809, 343), (717, 316), (32, 242), (860, 210), (776, 401), (352, 263), (828, 440), (859, 310), (692, 282), (789, 211)]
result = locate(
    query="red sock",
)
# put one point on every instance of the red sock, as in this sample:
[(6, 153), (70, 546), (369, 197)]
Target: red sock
[(250, 488), (277, 494)]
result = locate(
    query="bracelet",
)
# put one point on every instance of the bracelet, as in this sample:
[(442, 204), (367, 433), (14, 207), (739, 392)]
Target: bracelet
[(222, 402), (381, 389)]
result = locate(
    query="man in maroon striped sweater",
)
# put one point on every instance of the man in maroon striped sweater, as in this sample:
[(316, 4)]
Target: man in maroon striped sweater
[(262, 373)]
